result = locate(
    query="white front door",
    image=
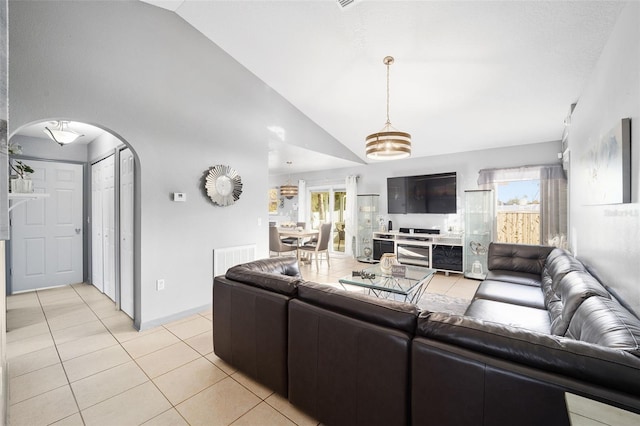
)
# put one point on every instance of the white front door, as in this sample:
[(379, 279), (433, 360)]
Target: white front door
[(126, 231), (46, 234)]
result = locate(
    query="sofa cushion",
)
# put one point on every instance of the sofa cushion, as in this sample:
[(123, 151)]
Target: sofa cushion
[(384, 312), (512, 315), (275, 274), (523, 278), (516, 294), (560, 263), (573, 289), (518, 257), (605, 322)]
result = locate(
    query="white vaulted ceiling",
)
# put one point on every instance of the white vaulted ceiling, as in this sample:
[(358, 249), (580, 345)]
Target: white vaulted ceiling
[(468, 75)]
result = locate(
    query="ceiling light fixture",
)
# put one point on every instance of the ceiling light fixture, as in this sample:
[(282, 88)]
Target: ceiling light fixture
[(389, 143), (289, 191), (61, 133)]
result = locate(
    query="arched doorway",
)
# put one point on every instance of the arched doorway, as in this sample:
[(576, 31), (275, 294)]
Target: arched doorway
[(99, 238)]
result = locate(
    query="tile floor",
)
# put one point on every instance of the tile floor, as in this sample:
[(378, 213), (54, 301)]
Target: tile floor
[(74, 360)]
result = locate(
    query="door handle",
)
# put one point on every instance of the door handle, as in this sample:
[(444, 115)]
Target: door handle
[(78, 230)]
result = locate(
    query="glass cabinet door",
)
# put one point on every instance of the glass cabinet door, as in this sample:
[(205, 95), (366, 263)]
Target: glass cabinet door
[(479, 218), (367, 214)]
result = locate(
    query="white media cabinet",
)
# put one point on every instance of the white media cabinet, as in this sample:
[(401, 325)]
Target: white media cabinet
[(440, 252)]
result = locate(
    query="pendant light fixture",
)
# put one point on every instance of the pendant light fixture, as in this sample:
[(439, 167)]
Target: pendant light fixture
[(289, 191), (389, 143), (61, 133)]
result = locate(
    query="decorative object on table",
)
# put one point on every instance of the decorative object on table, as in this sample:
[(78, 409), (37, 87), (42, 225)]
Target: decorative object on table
[(364, 275), (287, 190), (389, 143), (21, 181), (60, 132), (367, 252), (223, 185), (398, 271), (387, 260), (607, 166)]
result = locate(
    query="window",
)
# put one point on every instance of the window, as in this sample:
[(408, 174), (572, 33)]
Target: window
[(518, 212)]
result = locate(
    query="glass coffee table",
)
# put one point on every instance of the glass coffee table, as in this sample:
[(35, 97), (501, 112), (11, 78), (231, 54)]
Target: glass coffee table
[(410, 287)]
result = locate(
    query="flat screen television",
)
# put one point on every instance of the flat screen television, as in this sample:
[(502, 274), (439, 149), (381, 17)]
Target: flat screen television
[(422, 194)]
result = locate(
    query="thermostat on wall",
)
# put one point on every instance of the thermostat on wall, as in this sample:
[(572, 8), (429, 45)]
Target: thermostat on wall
[(179, 196)]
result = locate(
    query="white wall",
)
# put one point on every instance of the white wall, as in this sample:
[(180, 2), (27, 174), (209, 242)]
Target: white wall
[(182, 104), (373, 177), (608, 237)]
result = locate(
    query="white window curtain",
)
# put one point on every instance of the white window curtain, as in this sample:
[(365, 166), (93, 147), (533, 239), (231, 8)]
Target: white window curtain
[(350, 214), (553, 196), (302, 201)]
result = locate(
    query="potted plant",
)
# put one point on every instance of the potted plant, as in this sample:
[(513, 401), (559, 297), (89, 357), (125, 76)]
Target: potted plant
[(21, 181)]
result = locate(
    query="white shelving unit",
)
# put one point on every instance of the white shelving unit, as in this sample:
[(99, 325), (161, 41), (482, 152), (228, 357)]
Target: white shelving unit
[(18, 198)]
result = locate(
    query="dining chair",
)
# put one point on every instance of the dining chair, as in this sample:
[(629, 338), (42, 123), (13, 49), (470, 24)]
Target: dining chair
[(321, 246), (276, 245)]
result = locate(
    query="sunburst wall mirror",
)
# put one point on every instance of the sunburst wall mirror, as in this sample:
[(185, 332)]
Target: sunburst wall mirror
[(223, 185)]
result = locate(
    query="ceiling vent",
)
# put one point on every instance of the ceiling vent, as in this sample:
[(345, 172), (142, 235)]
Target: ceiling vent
[(345, 3)]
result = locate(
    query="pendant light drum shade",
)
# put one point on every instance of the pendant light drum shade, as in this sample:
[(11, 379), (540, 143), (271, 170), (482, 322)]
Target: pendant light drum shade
[(289, 191), (389, 143)]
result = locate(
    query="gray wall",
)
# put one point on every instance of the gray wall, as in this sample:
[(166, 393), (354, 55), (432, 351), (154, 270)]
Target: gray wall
[(608, 237), (182, 104), (373, 177), (47, 149)]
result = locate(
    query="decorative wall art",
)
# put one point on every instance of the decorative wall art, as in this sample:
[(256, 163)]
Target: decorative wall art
[(273, 200), (223, 185), (607, 165)]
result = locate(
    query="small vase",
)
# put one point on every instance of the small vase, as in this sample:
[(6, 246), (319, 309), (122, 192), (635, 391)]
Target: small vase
[(387, 260), (21, 186)]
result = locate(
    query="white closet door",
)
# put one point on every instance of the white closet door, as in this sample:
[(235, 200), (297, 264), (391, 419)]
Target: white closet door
[(96, 226), (108, 227), (46, 234), (126, 231)]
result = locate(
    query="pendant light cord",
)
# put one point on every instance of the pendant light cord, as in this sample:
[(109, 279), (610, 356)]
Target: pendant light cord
[(388, 120)]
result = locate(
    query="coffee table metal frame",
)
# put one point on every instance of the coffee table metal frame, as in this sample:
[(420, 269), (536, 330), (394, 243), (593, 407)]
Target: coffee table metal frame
[(411, 287)]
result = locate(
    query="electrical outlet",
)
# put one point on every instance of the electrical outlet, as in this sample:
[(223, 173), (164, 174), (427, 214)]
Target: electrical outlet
[(159, 285)]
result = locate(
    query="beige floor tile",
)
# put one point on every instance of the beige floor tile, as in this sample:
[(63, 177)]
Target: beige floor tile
[(168, 418), (95, 362), (121, 326), (106, 384), (53, 295), (184, 382), (290, 411), (133, 407), (43, 409), (23, 317), (103, 308), (220, 404), (36, 382), (71, 319), (33, 361), (208, 316), (72, 420), (263, 414), (148, 343), (203, 343), (24, 332), (79, 331), (227, 368), (23, 300), (193, 327), (85, 345), (32, 344), (258, 389), (166, 359)]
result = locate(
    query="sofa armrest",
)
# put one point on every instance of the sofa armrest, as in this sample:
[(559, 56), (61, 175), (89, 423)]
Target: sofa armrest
[(267, 275)]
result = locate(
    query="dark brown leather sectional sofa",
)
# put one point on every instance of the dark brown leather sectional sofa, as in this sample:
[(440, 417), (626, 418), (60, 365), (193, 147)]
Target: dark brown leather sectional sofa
[(540, 325)]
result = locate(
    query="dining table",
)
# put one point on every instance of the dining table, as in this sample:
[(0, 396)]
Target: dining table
[(299, 233)]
